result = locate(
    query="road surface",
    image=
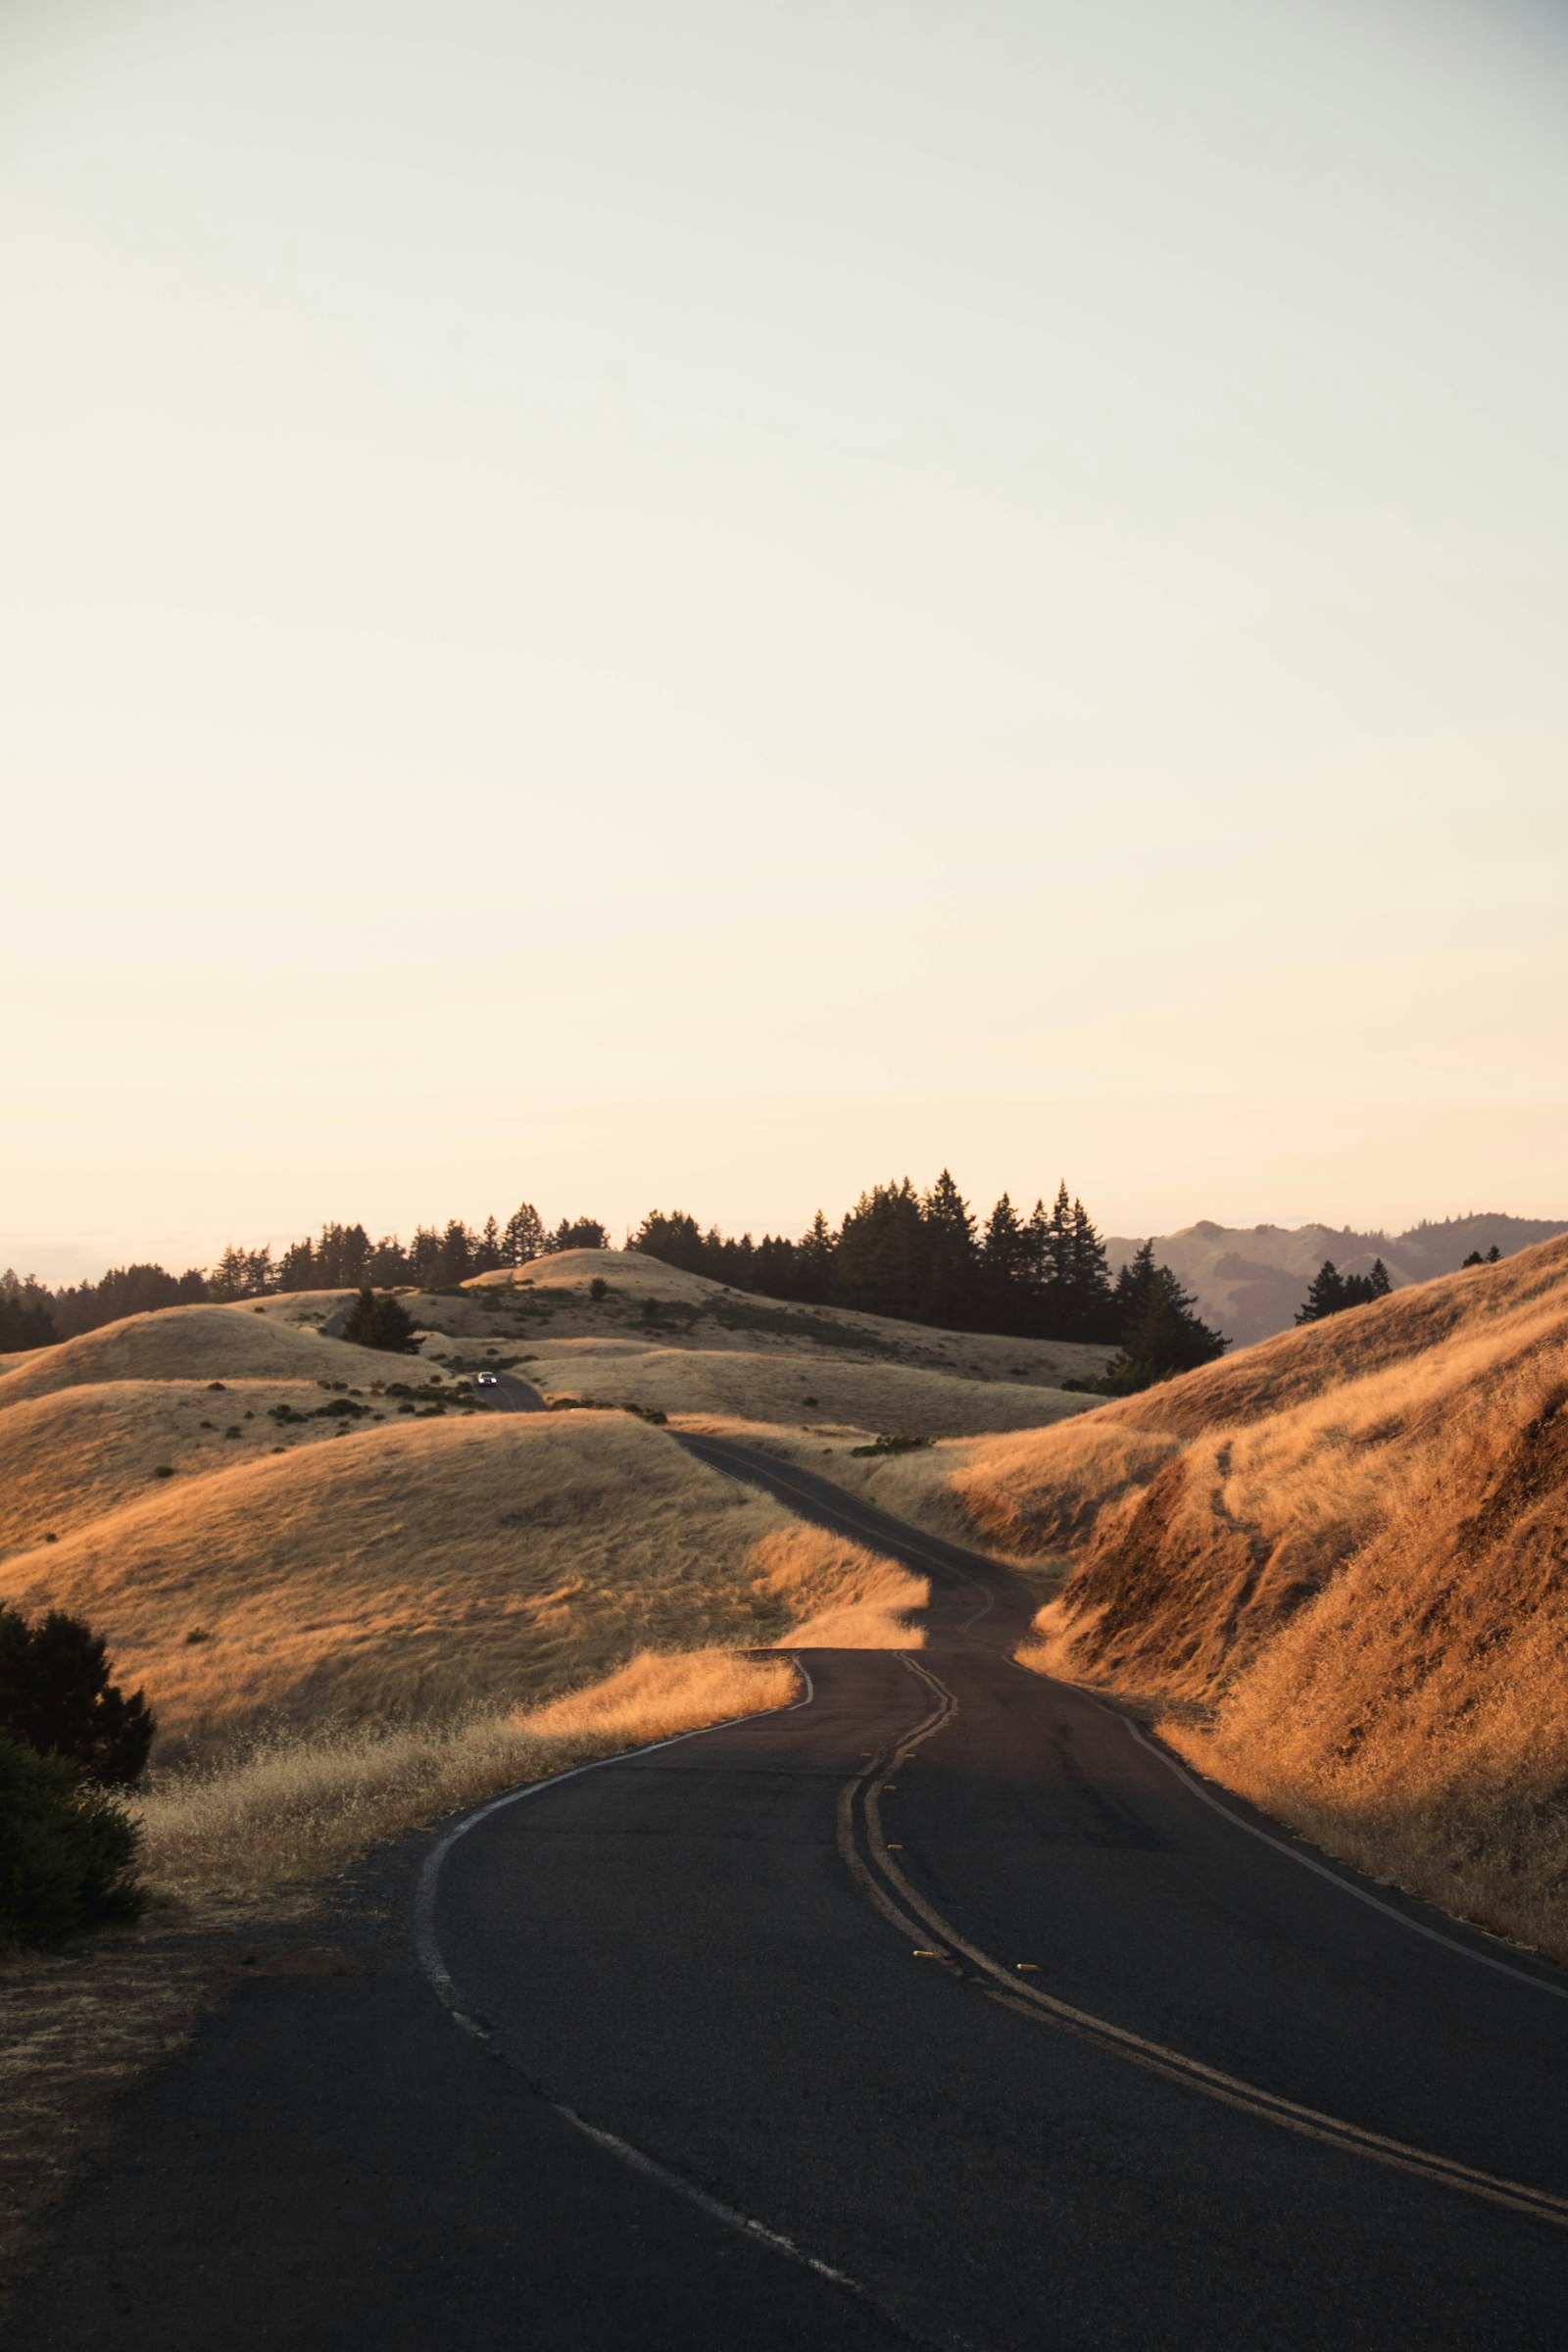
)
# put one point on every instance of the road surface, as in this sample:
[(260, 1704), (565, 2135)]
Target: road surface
[(943, 2009)]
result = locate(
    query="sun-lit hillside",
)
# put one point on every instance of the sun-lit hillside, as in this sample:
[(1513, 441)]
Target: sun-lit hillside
[(420, 1569), (71, 1455), (624, 1271), (1347, 1549), (353, 1612), (189, 1343)]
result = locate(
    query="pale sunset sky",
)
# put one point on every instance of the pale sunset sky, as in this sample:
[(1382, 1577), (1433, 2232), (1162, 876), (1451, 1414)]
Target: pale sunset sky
[(671, 603)]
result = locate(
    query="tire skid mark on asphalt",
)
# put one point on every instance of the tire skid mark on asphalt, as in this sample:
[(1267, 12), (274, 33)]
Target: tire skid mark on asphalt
[(636, 2159), (880, 1878)]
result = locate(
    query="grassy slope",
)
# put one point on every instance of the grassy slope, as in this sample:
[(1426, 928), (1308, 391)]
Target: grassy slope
[(791, 1386), (419, 1569), (551, 1294), (189, 1343), (72, 1454), (1344, 1549)]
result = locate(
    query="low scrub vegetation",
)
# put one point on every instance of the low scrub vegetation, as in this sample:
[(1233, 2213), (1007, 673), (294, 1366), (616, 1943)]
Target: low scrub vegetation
[(68, 1855), (71, 1739)]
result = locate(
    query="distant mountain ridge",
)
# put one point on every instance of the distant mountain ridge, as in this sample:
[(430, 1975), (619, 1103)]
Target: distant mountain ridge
[(1249, 1280)]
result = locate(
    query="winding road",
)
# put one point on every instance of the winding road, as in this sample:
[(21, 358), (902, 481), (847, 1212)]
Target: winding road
[(945, 2008)]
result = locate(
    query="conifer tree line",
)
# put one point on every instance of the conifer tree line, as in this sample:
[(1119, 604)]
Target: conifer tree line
[(921, 1257), (340, 1258), (924, 1257), (1330, 1291)]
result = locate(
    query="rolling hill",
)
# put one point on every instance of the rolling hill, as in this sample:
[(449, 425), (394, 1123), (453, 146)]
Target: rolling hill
[(352, 1607)]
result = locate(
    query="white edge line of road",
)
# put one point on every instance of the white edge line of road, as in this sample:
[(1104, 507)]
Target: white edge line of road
[(637, 2159), (424, 1939), (1195, 1786), (1193, 1782)]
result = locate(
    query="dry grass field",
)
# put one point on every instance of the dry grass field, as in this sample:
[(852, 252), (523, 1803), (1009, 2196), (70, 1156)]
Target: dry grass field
[(790, 1386), (70, 1455), (190, 1344), (421, 1570), (351, 1622), (305, 1573)]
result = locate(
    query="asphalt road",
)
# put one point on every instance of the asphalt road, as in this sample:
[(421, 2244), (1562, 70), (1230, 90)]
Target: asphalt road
[(510, 1395), (943, 2009)]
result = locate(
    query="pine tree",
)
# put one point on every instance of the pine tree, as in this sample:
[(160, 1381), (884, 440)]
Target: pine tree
[(229, 1275), (675, 1239), (296, 1269), (424, 1255), (523, 1237), (379, 1322), (1053, 1248), (1089, 1299), (948, 1297), (56, 1694), (880, 1257), (578, 1233), (1332, 1291), (27, 1318), (342, 1257), (387, 1263), (453, 1260), (487, 1250), (1325, 1295), (815, 1254), (1005, 1270), (1161, 1332)]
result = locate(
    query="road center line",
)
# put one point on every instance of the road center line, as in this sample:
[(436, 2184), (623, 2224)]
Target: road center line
[(880, 1878)]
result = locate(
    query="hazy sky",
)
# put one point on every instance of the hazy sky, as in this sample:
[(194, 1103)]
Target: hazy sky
[(698, 604)]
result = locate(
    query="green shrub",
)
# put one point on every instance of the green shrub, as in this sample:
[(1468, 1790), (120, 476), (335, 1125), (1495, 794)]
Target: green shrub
[(56, 1695), (598, 1288), (889, 1445), (374, 1322), (66, 1857)]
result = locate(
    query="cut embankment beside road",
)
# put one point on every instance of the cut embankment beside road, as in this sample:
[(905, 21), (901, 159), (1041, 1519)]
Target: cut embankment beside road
[(1335, 1565)]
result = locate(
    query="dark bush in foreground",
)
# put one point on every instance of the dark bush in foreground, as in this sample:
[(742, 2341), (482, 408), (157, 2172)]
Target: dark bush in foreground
[(67, 1851), (56, 1695)]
